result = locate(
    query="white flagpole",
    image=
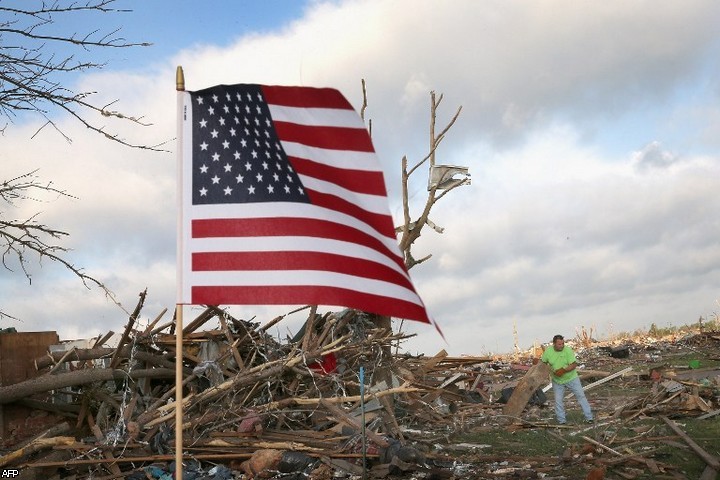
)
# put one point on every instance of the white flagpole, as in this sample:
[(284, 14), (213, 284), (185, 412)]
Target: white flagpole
[(180, 87)]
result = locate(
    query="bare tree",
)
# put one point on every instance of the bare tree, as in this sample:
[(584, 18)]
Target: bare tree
[(36, 66), (441, 180)]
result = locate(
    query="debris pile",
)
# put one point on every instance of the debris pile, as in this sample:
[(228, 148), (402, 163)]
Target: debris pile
[(332, 402), (249, 402)]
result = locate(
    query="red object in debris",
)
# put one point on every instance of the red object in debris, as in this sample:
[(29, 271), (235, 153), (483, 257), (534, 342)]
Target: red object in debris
[(326, 365), (250, 423), (597, 473)]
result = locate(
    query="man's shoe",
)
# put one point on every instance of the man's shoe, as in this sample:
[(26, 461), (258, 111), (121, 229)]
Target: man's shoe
[(589, 420)]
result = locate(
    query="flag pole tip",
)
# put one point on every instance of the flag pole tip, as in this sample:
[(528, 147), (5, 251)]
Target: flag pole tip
[(179, 79)]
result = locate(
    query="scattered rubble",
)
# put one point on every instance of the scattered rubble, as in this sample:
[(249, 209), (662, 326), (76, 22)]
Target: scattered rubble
[(333, 402)]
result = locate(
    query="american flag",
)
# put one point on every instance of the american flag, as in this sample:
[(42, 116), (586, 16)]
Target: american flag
[(283, 202)]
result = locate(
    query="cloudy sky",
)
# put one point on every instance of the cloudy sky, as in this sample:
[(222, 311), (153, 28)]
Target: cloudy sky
[(591, 130)]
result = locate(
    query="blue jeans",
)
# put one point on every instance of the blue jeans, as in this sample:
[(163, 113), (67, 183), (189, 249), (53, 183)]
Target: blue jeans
[(576, 387)]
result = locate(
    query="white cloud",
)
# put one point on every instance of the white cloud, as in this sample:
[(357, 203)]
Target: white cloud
[(595, 238), (556, 232)]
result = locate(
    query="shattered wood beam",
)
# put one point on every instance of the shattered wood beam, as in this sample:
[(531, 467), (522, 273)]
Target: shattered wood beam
[(73, 355), (159, 329), (232, 344), (113, 466), (58, 430), (536, 376), (104, 339), (309, 329), (306, 437), (275, 320), (128, 328), (650, 407), (152, 324), (389, 417), (257, 445), (200, 320), (35, 446), (330, 322), (604, 447), (45, 383), (99, 435), (606, 379), (349, 399), (343, 417), (62, 360), (710, 460), (432, 362), (709, 414)]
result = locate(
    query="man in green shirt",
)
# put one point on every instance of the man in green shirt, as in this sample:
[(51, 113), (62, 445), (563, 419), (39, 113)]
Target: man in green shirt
[(563, 364)]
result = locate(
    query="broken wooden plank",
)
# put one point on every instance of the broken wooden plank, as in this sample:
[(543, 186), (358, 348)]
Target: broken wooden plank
[(128, 328), (533, 379), (709, 415), (341, 416), (35, 446), (710, 460)]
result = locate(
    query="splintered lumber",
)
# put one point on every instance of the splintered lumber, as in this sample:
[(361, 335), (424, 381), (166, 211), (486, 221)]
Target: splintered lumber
[(604, 447), (341, 416), (536, 376), (128, 328), (63, 359), (709, 414), (352, 398), (711, 461), (35, 446)]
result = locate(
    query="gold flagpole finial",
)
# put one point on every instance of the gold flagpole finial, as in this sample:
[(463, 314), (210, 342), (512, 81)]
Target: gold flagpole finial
[(179, 80)]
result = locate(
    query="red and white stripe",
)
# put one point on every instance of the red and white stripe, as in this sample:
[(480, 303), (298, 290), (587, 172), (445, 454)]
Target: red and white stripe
[(338, 250)]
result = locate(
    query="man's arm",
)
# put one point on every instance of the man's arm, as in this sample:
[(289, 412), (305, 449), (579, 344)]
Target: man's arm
[(569, 368)]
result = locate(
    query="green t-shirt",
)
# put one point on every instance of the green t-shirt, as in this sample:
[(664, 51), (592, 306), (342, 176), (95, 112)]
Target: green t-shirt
[(560, 359)]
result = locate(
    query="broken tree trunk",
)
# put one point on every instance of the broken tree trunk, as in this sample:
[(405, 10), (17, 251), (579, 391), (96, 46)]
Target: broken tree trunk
[(535, 377), (46, 383), (82, 354)]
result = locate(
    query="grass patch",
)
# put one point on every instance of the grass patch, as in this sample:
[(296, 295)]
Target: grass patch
[(564, 451)]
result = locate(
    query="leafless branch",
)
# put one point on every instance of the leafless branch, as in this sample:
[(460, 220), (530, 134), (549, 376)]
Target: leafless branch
[(32, 73), (22, 240), (36, 65), (410, 230)]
